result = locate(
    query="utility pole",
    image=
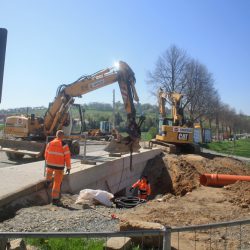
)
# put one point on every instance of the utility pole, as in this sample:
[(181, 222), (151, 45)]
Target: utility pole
[(113, 109)]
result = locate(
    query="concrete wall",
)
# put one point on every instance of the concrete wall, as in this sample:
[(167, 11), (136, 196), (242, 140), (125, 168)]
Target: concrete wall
[(112, 176)]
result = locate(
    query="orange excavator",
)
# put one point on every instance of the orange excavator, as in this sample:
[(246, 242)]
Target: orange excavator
[(27, 135)]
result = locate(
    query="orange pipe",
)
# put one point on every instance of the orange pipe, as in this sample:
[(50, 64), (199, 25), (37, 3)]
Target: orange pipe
[(221, 179)]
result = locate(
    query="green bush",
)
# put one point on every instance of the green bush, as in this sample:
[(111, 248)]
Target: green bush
[(150, 134)]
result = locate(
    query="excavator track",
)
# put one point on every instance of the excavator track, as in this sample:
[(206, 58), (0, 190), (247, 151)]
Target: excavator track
[(176, 149), (167, 147)]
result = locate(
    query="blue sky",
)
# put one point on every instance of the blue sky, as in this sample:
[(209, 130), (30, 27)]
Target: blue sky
[(55, 42)]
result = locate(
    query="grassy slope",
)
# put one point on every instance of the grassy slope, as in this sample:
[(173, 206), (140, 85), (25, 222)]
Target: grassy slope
[(238, 147)]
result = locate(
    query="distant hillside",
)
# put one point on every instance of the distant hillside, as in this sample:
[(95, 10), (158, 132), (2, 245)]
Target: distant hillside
[(96, 112)]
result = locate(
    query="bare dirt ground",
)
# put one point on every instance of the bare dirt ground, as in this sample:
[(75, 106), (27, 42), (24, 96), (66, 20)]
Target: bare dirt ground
[(189, 203)]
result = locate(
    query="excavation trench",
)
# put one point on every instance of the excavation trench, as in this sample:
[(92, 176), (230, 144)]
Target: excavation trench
[(169, 176), (114, 176)]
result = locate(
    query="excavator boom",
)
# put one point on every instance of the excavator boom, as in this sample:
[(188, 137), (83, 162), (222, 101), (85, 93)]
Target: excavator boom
[(57, 112), (58, 116)]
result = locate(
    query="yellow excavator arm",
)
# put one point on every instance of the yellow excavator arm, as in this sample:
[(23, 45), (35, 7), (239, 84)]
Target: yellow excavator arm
[(57, 113), (27, 135), (175, 100)]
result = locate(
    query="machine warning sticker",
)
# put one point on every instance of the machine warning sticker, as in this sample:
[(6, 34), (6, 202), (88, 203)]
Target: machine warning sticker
[(182, 130), (182, 136), (97, 83)]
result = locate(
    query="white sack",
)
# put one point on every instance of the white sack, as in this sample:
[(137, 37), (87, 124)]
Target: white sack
[(90, 196)]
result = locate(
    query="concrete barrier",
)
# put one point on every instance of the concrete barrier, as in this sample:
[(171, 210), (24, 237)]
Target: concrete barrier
[(112, 175)]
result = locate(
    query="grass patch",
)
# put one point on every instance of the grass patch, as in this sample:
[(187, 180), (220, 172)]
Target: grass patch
[(145, 136), (239, 147), (66, 243)]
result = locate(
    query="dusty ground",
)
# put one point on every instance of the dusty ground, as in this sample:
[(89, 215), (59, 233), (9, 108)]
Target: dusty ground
[(189, 203), (186, 201), (177, 199)]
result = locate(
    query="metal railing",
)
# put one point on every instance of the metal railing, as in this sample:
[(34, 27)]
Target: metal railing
[(234, 235)]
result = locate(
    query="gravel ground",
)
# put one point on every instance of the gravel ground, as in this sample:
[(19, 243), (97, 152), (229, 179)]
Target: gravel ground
[(49, 218)]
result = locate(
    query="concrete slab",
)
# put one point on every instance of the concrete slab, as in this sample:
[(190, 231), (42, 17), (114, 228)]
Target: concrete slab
[(109, 173), (118, 243)]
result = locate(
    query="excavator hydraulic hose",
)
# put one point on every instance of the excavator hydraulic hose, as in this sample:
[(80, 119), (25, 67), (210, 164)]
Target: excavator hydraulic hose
[(128, 202)]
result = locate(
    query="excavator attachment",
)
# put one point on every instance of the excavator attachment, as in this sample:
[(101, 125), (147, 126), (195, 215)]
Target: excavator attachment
[(130, 143), (124, 145), (17, 149)]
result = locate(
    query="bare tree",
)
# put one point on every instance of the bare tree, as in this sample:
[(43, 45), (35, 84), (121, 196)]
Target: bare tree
[(176, 72), (169, 71), (199, 91)]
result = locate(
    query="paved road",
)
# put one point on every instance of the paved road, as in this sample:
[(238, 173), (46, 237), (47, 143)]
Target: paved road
[(91, 148)]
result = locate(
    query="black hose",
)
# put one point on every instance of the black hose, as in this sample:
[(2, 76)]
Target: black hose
[(128, 202)]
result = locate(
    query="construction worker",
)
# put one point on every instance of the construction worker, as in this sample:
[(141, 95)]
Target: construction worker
[(57, 154), (144, 189)]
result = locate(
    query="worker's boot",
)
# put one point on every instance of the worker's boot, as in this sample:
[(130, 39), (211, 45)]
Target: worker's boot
[(57, 202)]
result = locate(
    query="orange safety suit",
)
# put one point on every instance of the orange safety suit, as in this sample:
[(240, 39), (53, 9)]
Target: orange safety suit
[(144, 189), (57, 154)]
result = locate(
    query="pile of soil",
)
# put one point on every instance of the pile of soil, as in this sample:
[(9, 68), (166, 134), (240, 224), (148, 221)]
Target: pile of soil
[(178, 198), (180, 174)]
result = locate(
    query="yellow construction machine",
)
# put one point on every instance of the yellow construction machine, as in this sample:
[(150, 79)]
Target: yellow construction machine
[(175, 133), (28, 134), (105, 131)]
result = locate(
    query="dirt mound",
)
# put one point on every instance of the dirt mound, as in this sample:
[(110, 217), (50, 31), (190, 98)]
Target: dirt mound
[(179, 174), (183, 200), (185, 170), (239, 193), (184, 175)]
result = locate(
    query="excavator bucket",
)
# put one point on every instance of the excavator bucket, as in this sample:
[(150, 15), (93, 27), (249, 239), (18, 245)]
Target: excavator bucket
[(124, 145), (16, 149)]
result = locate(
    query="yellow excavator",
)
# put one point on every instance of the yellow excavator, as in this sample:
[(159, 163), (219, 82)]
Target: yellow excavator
[(27, 135), (175, 134)]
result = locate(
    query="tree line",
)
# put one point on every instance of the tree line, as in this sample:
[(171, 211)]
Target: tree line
[(94, 113), (175, 71)]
